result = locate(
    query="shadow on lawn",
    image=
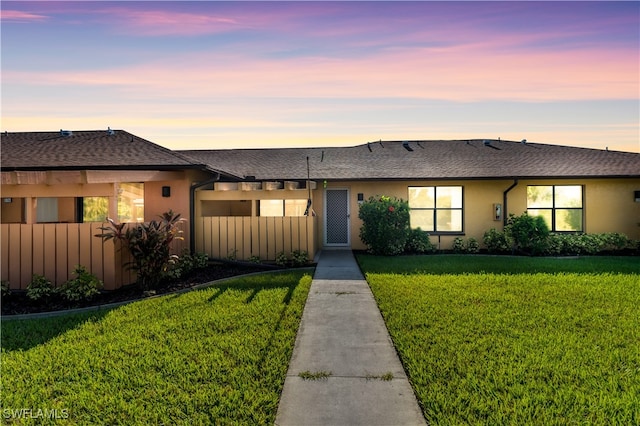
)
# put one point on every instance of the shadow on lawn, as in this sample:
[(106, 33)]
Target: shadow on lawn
[(26, 334), (255, 288)]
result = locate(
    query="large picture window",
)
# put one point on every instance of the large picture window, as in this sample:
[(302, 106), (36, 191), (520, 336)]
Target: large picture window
[(559, 205), (436, 208)]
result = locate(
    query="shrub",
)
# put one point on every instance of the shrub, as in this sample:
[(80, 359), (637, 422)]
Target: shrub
[(187, 263), (254, 259), (5, 291), (472, 246), (39, 287), (528, 233), (149, 245), (299, 258), (281, 259), (469, 246), (458, 245), (385, 225), (83, 287), (418, 242), (496, 241)]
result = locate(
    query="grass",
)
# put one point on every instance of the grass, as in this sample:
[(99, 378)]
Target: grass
[(318, 375), (503, 340), (213, 356)]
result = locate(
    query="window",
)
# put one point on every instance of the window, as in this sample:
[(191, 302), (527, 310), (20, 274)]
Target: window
[(95, 209), (559, 205), (282, 207), (436, 208), (46, 209), (130, 202)]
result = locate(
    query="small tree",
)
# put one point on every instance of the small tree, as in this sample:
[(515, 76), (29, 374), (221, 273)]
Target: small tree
[(385, 225), (149, 245)]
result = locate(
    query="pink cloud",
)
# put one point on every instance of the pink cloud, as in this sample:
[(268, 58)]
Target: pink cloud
[(166, 22), (20, 16)]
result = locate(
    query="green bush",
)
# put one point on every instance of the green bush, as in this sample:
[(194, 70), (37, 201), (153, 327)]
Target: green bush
[(187, 263), (281, 259), (299, 258), (84, 287), (418, 242), (149, 245), (5, 291), (39, 288), (458, 245), (385, 225), (496, 241), (528, 233), (470, 246)]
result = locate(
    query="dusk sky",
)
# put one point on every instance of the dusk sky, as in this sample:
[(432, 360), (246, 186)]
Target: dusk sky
[(197, 75)]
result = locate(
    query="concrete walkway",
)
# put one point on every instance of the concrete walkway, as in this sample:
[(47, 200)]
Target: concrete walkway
[(342, 335)]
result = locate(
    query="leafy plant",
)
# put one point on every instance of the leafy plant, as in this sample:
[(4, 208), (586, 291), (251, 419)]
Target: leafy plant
[(281, 259), (39, 288), (471, 245), (299, 258), (149, 245), (385, 225), (232, 255), (418, 242), (496, 241), (187, 263), (254, 259), (458, 245), (528, 233), (83, 287), (5, 290)]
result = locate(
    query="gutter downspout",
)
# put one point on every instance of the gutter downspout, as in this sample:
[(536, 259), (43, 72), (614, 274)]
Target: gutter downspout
[(504, 201), (192, 210)]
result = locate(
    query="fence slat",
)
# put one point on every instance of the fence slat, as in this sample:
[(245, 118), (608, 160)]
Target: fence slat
[(14, 256), (62, 274), (4, 252), (49, 253), (26, 255), (246, 237)]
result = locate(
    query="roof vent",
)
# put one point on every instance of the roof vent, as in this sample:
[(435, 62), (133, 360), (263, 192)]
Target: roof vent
[(523, 141), (406, 146), (110, 132), (486, 142), (66, 133)]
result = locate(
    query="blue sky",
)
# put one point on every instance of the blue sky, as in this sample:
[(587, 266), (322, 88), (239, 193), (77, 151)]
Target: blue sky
[(269, 74)]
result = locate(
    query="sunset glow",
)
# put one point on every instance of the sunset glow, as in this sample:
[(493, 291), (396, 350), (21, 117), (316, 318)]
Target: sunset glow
[(269, 74)]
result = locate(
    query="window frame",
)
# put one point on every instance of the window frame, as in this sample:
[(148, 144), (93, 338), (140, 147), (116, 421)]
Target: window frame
[(437, 209), (553, 209)]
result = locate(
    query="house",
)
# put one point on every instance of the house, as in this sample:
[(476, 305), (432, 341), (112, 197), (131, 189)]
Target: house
[(454, 188), (58, 187)]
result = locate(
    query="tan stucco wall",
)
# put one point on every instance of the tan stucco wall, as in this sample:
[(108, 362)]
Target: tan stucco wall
[(608, 204)]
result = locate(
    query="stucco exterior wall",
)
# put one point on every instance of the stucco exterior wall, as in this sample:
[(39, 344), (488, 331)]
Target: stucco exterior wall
[(609, 204)]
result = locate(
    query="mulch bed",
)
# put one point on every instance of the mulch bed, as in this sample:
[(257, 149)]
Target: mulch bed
[(19, 303)]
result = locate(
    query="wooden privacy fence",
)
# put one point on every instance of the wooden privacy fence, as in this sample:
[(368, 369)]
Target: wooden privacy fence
[(55, 249), (243, 237)]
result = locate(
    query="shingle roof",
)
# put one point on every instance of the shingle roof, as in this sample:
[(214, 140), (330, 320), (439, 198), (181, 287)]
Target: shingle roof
[(95, 149), (457, 159)]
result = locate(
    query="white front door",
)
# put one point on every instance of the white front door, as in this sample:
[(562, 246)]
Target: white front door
[(337, 229)]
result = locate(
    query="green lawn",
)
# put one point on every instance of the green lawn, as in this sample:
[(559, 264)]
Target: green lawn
[(213, 356), (506, 340)]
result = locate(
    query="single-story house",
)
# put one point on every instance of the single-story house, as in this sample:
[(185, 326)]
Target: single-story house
[(454, 187), (257, 203), (59, 187)]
